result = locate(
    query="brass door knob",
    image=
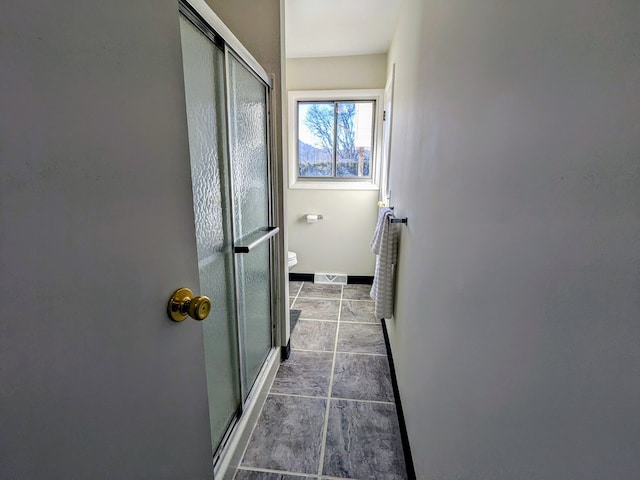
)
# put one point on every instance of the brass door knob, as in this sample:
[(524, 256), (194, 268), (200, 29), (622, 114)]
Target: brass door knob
[(183, 304)]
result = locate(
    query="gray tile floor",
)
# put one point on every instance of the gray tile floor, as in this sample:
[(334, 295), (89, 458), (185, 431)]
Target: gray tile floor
[(330, 412)]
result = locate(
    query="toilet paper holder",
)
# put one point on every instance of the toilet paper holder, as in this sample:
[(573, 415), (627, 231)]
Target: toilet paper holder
[(313, 217)]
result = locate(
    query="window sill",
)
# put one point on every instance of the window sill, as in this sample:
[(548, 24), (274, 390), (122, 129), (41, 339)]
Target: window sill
[(329, 185)]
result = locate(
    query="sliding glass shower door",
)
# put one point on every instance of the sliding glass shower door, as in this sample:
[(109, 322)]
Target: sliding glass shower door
[(206, 120), (249, 150), (227, 117)]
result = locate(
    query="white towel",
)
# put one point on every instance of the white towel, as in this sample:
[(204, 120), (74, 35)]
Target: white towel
[(385, 245)]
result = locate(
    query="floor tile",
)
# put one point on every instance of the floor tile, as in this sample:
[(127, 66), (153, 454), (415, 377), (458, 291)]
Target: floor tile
[(357, 311), (294, 287), (317, 309), (288, 435), (314, 335), (362, 377), (361, 338), (253, 475), (363, 442), (320, 290), (356, 292), (304, 373)]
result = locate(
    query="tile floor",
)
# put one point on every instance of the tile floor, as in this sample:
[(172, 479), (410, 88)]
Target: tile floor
[(330, 412)]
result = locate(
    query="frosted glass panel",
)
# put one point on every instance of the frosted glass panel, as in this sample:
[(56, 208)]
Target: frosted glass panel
[(204, 87), (250, 180), (255, 309), (231, 193), (249, 149)]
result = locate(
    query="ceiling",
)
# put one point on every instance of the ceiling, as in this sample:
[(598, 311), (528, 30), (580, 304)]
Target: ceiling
[(331, 28)]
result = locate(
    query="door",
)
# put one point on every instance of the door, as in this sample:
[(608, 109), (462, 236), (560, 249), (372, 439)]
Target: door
[(385, 192), (204, 76), (96, 231), (253, 234), (228, 130)]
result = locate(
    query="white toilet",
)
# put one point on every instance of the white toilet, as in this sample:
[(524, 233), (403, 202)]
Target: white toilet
[(292, 259)]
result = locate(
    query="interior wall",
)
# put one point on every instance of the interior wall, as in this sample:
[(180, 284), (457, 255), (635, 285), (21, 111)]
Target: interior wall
[(516, 158), (334, 73), (340, 242)]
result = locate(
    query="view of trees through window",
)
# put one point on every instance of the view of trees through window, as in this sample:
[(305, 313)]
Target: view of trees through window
[(335, 139)]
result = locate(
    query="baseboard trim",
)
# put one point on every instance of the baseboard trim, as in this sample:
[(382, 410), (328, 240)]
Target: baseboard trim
[(360, 280), (351, 279), (285, 351), (408, 458), (301, 277)]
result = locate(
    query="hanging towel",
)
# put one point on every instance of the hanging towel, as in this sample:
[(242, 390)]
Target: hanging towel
[(385, 245)]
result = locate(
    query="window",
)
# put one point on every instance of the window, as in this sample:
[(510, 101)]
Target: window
[(333, 139)]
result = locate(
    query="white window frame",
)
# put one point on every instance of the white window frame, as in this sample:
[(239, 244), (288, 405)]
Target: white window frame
[(333, 183)]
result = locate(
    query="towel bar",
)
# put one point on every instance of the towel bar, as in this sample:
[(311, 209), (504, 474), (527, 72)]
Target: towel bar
[(397, 220)]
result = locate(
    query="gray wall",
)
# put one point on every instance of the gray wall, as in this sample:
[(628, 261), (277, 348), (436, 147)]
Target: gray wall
[(516, 157)]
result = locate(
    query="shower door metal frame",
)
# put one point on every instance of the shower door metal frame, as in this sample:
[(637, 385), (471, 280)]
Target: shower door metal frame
[(229, 52)]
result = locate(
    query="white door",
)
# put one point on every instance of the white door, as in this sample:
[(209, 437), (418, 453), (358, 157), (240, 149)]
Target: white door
[(385, 192), (96, 231)]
